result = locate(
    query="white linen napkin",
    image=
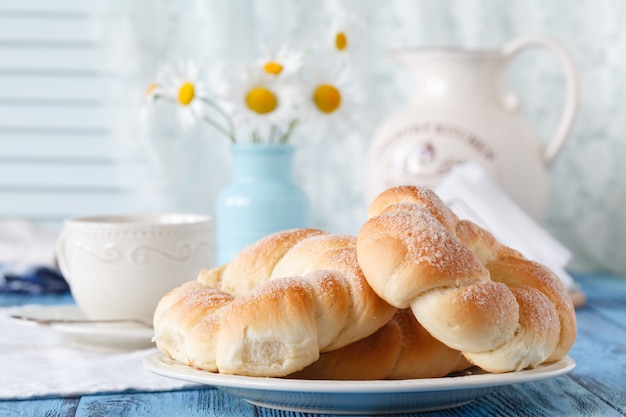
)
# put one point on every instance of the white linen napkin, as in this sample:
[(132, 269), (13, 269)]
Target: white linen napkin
[(472, 195), (24, 244), (36, 361)]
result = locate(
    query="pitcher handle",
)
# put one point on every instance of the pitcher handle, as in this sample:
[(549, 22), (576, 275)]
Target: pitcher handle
[(572, 92)]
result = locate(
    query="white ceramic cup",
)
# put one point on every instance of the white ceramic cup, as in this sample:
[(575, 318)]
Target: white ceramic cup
[(119, 267)]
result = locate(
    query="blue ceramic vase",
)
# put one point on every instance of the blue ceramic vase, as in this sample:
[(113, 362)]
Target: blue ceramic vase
[(260, 200)]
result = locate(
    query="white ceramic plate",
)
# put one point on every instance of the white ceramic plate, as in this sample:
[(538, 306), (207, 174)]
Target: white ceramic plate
[(99, 337), (356, 397)]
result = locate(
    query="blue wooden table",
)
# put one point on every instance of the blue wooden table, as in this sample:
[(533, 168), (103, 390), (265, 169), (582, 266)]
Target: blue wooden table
[(596, 387)]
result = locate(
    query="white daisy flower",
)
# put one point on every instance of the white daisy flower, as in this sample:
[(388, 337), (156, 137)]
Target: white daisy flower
[(345, 31), (182, 86), (263, 103), (152, 92), (283, 62), (329, 99), (155, 88)]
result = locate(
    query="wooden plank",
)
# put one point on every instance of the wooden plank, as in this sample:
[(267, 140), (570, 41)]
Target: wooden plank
[(530, 400), (57, 88), (54, 146), (46, 29), (555, 397), (36, 408), (56, 158), (60, 204), (44, 6), (601, 341), (606, 297), (67, 174), (599, 351), (39, 116), (609, 310), (46, 60), (190, 403)]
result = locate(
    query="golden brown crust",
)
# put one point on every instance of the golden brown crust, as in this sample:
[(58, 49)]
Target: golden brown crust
[(268, 330), (320, 305), (414, 195), (408, 252), (293, 294), (513, 269), (467, 289), (255, 263), (182, 317), (401, 349)]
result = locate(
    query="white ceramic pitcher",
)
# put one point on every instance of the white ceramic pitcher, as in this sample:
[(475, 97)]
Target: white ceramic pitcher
[(462, 109)]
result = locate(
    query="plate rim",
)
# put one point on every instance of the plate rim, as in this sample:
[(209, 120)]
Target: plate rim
[(159, 363), (80, 329)]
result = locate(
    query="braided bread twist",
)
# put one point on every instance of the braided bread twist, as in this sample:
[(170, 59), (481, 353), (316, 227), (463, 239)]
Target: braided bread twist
[(503, 311), (401, 349), (274, 308)]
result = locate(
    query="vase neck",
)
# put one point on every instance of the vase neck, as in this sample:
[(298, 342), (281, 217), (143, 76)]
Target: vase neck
[(259, 161)]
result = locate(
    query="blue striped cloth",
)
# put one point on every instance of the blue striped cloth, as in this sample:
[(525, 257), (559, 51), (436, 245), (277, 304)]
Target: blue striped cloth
[(35, 280)]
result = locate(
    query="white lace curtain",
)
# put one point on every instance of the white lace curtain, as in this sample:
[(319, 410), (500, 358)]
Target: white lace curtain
[(185, 170)]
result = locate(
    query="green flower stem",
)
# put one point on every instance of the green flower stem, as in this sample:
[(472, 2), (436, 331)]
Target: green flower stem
[(220, 128), (272, 134), (231, 134), (292, 125)]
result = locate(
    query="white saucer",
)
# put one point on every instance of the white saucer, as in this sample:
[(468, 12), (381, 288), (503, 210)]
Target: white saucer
[(356, 397), (99, 337)]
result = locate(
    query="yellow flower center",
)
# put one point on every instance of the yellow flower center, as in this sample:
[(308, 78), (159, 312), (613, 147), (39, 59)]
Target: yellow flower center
[(186, 93), (327, 98), (261, 100), (341, 41), (273, 68), (151, 88)]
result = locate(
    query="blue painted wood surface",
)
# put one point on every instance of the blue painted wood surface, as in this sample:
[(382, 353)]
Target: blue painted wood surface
[(597, 387)]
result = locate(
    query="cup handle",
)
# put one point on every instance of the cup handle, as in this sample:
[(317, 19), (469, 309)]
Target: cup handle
[(62, 258), (572, 92)]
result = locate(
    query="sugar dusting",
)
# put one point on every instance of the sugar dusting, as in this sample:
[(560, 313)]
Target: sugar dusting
[(485, 294), (427, 240), (266, 247), (202, 300), (422, 227), (537, 309)]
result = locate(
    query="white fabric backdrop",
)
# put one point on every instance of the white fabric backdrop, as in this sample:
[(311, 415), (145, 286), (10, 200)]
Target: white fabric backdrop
[(184, 171)]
